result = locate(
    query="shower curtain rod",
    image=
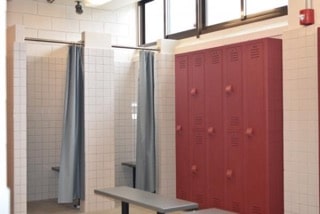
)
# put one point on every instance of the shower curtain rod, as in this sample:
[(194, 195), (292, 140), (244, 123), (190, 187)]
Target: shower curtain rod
[(52, 41), (136, 48), (81, 43)]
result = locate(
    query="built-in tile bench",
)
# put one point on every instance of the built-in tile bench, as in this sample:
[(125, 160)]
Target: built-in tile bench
[(56, 168), (131, 164), (156, 202)]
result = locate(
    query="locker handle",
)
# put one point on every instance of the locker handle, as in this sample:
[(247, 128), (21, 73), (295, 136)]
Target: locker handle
[(229, 173), (249, 132), (193, 91), (194, 169), (228, 89), (179, 128), (211, 130)]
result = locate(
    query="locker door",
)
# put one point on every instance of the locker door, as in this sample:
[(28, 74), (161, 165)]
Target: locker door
[(183, 179), (255, 128), (197, 128), (214, 128), (233, 128)]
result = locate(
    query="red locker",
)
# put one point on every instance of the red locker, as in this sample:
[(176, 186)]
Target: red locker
[(264, 147), (255, 128), (197, 128), (214, 128), (183, 179), (232, 103)]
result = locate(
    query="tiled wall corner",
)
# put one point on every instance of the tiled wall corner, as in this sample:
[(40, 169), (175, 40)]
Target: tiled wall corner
[(165, 125), (99, 127), (17, 128), (300, 97)]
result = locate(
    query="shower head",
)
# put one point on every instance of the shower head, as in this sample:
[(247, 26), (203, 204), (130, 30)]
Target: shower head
[(50, 1), (78, 7)]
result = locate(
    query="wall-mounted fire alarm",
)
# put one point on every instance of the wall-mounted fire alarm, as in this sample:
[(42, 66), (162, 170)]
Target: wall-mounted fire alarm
[(306, 17)]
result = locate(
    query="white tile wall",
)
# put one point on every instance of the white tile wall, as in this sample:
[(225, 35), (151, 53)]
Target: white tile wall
[(45, 105), (99, 127), (165, 123), (18, 130), (301, 164), (59, 21), (125, 88)]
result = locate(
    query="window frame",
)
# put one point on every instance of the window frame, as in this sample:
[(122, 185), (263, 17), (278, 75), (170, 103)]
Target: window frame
[(201, 27), (142, 24)]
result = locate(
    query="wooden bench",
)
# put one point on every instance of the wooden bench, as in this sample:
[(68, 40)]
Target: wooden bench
[(210, 211), (156, 202)]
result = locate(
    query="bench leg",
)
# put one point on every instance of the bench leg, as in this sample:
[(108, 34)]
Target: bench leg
[(124, 208)]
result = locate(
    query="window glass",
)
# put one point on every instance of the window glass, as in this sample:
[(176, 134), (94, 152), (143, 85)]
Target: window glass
[(181, 15), (222, 11), (254, 6), (154, 21)]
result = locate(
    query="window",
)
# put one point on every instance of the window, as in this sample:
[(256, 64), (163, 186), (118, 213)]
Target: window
[(254, 6), (155, 21), (181, 15), (177, 19), (151, 21), (216, 11)]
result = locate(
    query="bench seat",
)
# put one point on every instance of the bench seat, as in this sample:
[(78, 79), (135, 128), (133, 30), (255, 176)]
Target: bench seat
[(159, 203)]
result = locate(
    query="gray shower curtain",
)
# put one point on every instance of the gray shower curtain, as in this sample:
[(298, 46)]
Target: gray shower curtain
[(71, 175), (145, 150)]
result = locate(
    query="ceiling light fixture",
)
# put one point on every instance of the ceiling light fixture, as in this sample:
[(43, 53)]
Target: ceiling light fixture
[(95, 3)]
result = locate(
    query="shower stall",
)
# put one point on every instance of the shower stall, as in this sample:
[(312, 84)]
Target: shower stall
[(36, 78), (36, 85), (46, 77)]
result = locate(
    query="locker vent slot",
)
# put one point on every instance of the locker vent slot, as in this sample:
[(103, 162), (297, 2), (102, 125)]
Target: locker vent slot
[(215, 57), (198, 120), (254, 52), (183, 64), (234, 55), (236, 206), (198, 138), (256, 210), (235, 121), (198, 61), (235, 139)]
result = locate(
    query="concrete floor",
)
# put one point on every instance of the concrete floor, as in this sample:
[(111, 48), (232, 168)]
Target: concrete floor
[(52, 207)]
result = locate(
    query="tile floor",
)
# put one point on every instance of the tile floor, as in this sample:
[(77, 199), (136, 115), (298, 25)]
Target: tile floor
[(52, 207)]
